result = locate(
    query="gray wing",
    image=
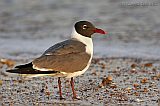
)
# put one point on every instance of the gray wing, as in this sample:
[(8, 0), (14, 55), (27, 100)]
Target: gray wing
[(66, 47), (68, 56)]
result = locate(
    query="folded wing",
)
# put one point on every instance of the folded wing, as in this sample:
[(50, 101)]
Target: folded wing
[(68, 56)]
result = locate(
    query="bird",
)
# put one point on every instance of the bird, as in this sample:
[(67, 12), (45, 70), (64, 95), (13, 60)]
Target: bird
[(69, 58)]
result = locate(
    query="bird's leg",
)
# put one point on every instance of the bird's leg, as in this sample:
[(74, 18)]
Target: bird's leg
[(60, 89), (72, 85)]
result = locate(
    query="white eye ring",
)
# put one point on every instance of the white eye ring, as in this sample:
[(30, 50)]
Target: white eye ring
[(84, 26)]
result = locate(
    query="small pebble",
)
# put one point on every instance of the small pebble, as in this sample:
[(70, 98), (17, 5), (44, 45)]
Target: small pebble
[(8, 62), (133, 65), (128, 89), (148, 65), (139, 100), (145, 90), (144, 80), (47, 93)]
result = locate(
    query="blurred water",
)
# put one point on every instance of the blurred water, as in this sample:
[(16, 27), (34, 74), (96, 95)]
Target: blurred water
[(28, 27)]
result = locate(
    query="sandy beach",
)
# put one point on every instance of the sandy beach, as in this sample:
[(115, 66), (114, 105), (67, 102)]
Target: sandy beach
[(108, 81)]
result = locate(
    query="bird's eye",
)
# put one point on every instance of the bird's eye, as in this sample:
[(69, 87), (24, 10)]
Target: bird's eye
[(85, 27)]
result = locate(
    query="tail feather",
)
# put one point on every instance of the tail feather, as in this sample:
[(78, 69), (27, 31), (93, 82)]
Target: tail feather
[(28, 70)]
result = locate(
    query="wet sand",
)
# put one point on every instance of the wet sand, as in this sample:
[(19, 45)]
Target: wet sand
[(133, 31), (108, 81)]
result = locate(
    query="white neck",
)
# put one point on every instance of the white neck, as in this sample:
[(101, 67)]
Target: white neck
[(86, 40)]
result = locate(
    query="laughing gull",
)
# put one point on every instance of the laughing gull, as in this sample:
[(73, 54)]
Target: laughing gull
[(69, 58)]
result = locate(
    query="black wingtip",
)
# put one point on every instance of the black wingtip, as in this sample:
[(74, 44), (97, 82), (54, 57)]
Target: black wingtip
[(13, 71), (21, 69), (25, 65)]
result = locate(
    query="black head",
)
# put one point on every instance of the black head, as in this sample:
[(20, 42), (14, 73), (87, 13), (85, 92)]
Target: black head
[(86, 29)]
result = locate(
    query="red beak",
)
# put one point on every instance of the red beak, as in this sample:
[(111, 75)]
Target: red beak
[(99, 31)]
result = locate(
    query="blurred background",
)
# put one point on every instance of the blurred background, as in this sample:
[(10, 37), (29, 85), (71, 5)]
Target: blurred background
[(29, 27)]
